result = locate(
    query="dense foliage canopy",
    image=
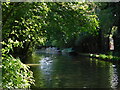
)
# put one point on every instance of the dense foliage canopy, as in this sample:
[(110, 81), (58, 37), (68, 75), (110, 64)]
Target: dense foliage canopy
[(62, 24)]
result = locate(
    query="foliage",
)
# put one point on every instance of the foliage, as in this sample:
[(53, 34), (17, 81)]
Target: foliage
[(106, 15), (16, 35), (23, 24), (66, 21), (106, 57), (15, 73), (110, 57), (58, 23), (26, 25), (109, 17)]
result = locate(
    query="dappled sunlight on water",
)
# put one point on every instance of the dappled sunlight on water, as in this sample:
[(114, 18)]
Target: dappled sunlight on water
[(64, 71), (46, 67), (113, 76)]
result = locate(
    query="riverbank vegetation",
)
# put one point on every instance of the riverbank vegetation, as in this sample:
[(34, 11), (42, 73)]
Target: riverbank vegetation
[(84, 27), (106, 57)]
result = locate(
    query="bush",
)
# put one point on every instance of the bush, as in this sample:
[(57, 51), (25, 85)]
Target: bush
[(15, 73)]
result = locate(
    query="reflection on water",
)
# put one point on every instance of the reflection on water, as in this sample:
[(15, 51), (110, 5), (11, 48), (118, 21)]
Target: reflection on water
[(46, 68), (59, 71), (114, 76)]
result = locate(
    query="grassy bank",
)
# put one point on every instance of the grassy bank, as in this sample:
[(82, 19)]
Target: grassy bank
[(104, 57)]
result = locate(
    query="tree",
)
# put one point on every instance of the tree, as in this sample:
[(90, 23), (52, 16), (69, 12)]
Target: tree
[(109, 16), (26, 25), (66, 22)]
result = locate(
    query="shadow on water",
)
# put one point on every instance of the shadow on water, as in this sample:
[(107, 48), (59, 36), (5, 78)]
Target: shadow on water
[(64, 71)]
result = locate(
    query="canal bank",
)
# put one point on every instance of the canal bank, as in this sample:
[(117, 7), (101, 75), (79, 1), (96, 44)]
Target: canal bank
[(103, 57), (70, 51)]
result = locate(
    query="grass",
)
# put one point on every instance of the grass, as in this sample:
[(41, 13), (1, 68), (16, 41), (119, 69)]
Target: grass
[(106, 57)]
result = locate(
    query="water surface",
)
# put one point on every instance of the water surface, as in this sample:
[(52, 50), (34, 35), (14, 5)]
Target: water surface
[(64, 71)]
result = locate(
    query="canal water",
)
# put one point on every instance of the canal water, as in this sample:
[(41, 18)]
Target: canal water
[(64, 71)]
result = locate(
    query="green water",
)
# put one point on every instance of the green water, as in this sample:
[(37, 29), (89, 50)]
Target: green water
[(64, 71)]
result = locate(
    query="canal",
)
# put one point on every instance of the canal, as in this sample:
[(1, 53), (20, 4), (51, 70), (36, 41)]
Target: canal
[(65, 71)]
